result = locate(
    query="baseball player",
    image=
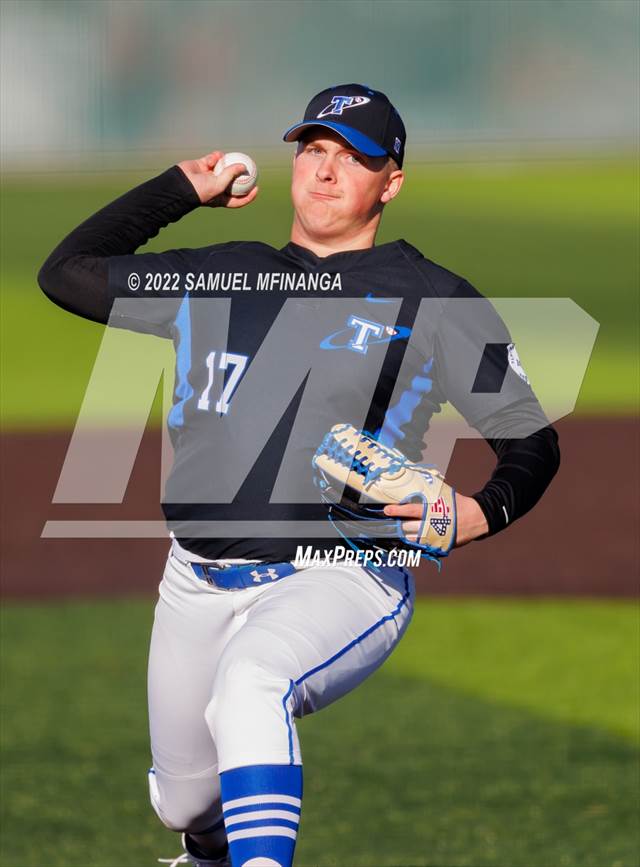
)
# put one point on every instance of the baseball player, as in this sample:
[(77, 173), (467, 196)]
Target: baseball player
[(246, 637)]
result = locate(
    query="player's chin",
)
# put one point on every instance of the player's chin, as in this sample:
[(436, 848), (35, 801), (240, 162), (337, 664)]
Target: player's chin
[(321, 228), (321, 211)]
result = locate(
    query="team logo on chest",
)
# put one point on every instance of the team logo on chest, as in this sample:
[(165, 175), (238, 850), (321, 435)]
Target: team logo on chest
[(362, 333), (338, 104)]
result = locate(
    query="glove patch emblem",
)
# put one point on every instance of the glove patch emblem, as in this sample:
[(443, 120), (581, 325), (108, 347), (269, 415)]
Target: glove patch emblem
[(441, 520)]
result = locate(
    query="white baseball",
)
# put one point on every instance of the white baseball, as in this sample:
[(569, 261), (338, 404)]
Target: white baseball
[(244, 183)]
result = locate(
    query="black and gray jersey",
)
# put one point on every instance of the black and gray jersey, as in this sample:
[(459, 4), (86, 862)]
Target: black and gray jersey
[(275, 346)]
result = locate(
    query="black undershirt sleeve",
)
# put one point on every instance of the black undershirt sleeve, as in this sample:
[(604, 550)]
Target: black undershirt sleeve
[(525, 467), (513, 422), (76, 274)]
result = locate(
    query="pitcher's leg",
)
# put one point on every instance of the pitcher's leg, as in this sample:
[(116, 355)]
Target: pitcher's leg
[(191, 626), (310, 639)]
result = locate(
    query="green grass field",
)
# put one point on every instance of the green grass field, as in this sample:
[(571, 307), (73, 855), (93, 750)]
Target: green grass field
[(551, 229), (499, 734)]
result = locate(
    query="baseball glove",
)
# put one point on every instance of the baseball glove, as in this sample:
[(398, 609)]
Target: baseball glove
[(372, 476)]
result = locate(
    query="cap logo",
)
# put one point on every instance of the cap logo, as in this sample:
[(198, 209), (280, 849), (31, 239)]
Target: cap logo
[(339, 103), (396, 145)]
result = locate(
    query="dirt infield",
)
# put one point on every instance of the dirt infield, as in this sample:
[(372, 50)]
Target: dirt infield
[(548, 552)]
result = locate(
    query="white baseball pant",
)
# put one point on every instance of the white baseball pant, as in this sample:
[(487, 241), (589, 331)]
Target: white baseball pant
[(230, 669)]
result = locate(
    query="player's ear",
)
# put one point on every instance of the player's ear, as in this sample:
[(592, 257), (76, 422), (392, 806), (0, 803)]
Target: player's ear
[(392, 186)]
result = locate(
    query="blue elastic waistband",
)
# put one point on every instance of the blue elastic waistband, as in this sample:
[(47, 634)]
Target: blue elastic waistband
[(240, 577)]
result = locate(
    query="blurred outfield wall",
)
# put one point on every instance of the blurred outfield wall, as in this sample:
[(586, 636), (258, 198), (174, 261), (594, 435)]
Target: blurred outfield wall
[(126, 80)]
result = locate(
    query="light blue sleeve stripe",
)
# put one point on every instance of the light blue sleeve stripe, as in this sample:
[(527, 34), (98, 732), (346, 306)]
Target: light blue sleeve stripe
[(402, 413), (183, 389)]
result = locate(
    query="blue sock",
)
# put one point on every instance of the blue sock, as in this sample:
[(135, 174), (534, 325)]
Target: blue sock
[(261, 807)]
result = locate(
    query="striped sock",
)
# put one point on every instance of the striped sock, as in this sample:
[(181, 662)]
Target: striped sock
[(261, 808)]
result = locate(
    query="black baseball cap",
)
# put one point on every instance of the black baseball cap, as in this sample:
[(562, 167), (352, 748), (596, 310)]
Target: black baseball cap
[(364, 117)]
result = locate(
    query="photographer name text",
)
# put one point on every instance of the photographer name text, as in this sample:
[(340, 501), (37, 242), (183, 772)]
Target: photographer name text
[(271, 281)]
